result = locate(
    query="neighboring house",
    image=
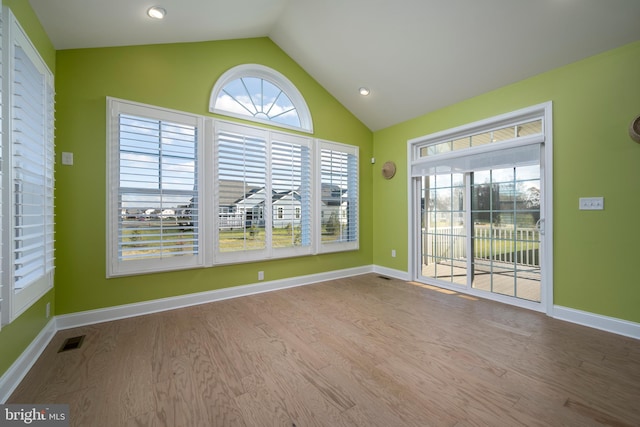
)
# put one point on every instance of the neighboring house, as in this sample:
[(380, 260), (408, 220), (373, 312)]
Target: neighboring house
[(287, 209), (251, 207), (132, 213), (334, 204), (231, 192)]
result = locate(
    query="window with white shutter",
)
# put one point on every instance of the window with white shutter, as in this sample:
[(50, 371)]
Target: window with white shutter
[(187, 191), (28, 160), (291, 188), (338, 196), (241, 160), (155, 189), (263, 193)]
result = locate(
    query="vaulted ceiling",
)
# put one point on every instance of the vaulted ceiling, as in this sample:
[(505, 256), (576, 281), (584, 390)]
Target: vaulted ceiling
[(415, 56)]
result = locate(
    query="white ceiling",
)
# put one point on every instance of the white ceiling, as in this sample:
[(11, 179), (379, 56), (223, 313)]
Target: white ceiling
[(416, 56)]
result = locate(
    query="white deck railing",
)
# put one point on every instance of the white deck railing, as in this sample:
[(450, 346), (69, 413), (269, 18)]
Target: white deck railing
[(502, 244)]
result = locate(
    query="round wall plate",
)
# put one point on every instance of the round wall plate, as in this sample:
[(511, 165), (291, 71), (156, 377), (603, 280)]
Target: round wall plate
[(634, 129), (388, 170)]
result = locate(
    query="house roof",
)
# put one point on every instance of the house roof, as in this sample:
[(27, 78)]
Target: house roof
[(415, 56), (231, 191)]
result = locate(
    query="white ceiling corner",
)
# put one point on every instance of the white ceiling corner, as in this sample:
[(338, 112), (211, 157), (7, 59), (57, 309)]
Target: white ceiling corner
[(415, 55)]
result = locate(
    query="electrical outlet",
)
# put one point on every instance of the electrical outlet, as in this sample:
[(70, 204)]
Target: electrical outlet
[(591, 203), (393, 253), (260, 275), (48, 310)]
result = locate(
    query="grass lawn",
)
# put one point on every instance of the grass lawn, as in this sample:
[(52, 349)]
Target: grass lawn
[(141, 238)]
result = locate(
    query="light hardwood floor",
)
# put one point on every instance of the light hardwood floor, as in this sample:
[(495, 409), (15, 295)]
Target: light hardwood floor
[(362, 351)]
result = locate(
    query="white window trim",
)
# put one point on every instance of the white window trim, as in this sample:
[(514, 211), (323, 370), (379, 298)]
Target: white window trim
[(543, 111), (115, 267), (271, 75), (15, 303)]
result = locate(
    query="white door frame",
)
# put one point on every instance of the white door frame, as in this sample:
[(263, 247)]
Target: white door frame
[(543, 111)]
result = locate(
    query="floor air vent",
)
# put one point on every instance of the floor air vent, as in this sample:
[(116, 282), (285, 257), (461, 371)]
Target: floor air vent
[(385, 278), (71, 343)]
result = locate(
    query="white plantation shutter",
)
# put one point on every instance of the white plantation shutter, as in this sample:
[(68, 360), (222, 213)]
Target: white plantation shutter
[(50, 179), (241, 160), (260, 198), (291, 187), (263, 193), (338, 196), (1, 161), (29, 172), (30, 159), (154, 175)]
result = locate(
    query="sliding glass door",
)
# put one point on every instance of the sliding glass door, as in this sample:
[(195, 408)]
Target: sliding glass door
[(481, 230), (444, 228), (478, 207), (505, 218)]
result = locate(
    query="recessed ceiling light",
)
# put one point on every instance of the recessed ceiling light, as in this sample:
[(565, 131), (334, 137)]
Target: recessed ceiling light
[(364, 91), (156, 12)]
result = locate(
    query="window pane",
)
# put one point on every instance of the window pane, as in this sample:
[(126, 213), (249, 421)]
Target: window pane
[(481, 139), (531, 128), (158, 199), (443, 230), (242, 165), (339, 197), (291, 199), (504, 134), (258, 98), (439, 148), (502, 175), (462, 143)]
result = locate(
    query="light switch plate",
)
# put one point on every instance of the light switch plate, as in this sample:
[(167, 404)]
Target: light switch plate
[(591, 203), (67, 158)]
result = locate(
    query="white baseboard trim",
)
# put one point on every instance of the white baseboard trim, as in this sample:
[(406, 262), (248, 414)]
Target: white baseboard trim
[(90, 317), (597, 321), (390, 272), (14, 375)]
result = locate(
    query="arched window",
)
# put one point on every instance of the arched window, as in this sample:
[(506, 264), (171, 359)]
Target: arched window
[(261, 94)]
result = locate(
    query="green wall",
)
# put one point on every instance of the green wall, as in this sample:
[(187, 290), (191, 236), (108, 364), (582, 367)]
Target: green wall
[(15, 337), (594, 100), (177, 76)]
